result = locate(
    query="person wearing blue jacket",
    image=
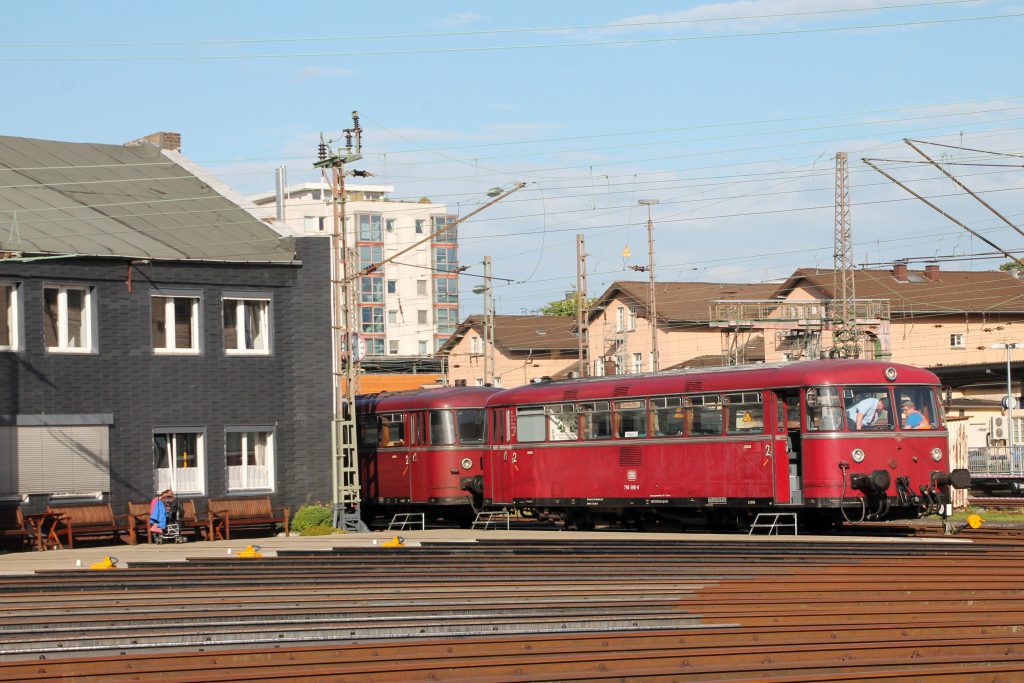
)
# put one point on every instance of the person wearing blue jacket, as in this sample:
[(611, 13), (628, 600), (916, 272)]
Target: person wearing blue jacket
[(158, 513)]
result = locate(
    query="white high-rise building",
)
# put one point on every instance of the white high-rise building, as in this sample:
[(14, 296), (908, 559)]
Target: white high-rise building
[(409, 306)]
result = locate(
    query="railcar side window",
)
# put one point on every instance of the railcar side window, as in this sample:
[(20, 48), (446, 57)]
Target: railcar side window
[(563, 424), (917, 408), (442, 428), (530, 424), (471, 425), (868, 408), (667, 416), (746, 413), (597, 420), (631, 419), (392, 429), (705, 414)]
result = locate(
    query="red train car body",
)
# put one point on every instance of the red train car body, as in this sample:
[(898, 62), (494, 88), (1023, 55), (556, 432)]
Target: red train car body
[(842, 438), (422, 450)]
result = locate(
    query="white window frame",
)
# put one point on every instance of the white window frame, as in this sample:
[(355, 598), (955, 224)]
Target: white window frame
[(476, 345), (620, 319), (183, 480), (957, 340), (62, 318), (237, 346), (424, 347), (638, 363), (393, 347), (631, 319), (247, 477), (13, 317), (169, 345)]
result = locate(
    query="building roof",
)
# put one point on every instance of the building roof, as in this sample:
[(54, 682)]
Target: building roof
[(135, 201), (518, 333), (924, 291), (680, 301)]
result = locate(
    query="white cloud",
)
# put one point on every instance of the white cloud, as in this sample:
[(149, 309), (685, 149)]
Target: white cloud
[(317, 71), (743, 15)]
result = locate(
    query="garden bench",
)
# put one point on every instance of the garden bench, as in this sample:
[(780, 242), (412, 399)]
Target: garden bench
[(94, 519), (246, 513)]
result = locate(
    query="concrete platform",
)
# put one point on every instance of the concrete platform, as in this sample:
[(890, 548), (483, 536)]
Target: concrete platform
[(31, 561)]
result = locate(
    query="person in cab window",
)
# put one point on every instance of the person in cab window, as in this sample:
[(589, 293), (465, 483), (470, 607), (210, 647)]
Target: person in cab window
[(912, 417), (865, 413)]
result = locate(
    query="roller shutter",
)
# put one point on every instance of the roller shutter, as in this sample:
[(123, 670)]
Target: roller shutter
[(62, 459)]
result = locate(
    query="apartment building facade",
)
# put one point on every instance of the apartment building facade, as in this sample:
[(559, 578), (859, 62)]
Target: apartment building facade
[(408, 306)]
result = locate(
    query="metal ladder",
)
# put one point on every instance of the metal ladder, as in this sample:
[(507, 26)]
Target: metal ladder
[(407, 520), (485, 518), (775, 524)]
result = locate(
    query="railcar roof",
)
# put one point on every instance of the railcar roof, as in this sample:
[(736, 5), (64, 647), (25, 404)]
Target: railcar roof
[(426, 399), (736, 378)]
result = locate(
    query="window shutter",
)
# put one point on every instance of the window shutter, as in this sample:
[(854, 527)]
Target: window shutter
[(67, 459)]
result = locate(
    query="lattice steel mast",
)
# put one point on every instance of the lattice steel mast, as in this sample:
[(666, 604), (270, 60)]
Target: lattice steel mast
[(845, 333)]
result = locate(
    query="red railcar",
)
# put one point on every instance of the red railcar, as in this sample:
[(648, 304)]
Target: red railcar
[(724, 442), (422, 450)]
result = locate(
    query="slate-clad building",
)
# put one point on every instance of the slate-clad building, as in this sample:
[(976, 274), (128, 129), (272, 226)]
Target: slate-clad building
[(154, 333)]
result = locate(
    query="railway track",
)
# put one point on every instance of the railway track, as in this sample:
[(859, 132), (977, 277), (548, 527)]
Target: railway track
[(765, 610)]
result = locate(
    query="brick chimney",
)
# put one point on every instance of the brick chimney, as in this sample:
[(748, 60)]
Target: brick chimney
[(931, 272), (162, 140), (899, 271)]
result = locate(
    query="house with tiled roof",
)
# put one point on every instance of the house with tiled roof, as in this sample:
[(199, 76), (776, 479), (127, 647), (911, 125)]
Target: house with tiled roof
[(526, 347), (929, 317), (154, 333), (620, 332)]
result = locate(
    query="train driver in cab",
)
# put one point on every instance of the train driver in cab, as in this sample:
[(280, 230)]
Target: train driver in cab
[(912, 417), (865, 413)]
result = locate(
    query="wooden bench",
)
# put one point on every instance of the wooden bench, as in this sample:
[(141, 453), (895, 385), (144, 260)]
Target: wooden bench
[(95, 519), (245, 513), (201, 526), (13, 526)]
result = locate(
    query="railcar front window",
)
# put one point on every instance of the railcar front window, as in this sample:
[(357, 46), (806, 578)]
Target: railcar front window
[(918, 409), (368, 431), (563, 424), (630, 419), (597, 420), (471, 424), (824, 412), (530, 424), (442, 428), (868, 409), (705, 414), (667, 416)]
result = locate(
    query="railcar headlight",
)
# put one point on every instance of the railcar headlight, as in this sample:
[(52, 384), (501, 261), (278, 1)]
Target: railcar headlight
[(890, 374), (466, 463), (857, 455), (936, 454)]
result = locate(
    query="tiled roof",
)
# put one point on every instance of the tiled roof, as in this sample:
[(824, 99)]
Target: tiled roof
[(951, 291), (682, 301), (114, 200), (522, 332)]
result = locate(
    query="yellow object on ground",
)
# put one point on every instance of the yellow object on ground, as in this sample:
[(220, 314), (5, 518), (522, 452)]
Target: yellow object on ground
[(251, 551), (396, 542), (974, 521), (106, 563)]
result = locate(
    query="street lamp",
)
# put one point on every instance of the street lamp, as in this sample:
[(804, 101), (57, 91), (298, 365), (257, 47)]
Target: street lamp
[(650, 272), (1008, 403)]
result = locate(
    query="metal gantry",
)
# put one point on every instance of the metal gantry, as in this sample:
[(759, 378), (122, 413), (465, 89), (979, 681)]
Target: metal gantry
[(845, 333)]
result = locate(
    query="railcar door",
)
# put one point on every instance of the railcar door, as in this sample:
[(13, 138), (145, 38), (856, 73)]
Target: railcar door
[(392, 459), (748, 446), (788, 447), (496, 457), (419, 458)]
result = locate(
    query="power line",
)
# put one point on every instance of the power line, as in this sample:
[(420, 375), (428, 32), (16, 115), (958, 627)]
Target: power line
[(507, 48)]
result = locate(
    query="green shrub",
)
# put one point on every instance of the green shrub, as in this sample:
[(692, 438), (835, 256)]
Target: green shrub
[(312, 515), (317, 530)]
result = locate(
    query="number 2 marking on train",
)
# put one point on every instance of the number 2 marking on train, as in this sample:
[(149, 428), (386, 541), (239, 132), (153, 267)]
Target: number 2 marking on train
[(767, 454)]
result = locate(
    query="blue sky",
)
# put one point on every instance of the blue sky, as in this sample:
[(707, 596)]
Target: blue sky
[(728, 113)]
